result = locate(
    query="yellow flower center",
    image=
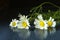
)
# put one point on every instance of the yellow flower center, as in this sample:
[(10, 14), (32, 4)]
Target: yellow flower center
[(24, 24), (41, 23), (13, 23), (50, 23)]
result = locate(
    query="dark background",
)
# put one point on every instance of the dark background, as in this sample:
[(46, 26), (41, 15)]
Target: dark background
[(10, 9)]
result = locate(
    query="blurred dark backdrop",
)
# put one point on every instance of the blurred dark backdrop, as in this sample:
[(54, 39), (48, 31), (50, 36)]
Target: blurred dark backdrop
[(10, 8)]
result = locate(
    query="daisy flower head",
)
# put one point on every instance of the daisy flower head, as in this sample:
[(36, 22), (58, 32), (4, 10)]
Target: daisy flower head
[(14, 23), (51, 22), (24, 23), (40, 23)]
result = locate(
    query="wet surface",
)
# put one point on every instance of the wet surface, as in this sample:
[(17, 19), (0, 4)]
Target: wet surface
[(7, 34)]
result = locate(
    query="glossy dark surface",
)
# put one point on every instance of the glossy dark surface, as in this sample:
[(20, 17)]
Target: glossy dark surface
[(7, 34)]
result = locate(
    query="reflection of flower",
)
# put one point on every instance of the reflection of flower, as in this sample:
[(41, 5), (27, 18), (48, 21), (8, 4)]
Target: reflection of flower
[(51, 22), (51, 30), (23, 33), (14, 23), (24, 22), (42, 34), (40, 23)]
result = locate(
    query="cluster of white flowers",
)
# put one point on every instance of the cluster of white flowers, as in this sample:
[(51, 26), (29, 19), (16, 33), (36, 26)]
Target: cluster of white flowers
[(40, 23), (44, 24), (22, 23)]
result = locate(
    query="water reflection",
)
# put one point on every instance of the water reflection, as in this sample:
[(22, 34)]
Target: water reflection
[(22, 33), (51, 30), (36, 34), (42, 34)]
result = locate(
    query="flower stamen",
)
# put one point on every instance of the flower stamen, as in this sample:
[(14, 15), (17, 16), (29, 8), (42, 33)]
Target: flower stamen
[(41, 23), (24, 24)]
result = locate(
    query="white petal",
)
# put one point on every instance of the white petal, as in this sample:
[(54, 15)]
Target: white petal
[(26, 16), (19, 15), (10, 24), (36, 21), (19, 26), (40, 17), (27, 27), (22, 17), (14, 19), (54, 24), (46, 21), (52, 20), (37, 26), (41, 28), (46, 26)]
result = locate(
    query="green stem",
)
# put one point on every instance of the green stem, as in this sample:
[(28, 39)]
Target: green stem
[(40, 6)]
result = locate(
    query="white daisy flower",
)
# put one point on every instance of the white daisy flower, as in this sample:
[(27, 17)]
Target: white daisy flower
[(51, 22), (14, 23), (23, 23), (41, 24)]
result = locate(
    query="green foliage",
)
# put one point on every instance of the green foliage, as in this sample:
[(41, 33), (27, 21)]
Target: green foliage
[(37, 10)]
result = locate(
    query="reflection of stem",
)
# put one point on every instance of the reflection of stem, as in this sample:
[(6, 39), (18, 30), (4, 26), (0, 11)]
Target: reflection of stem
[(40, 6), (51, 30)]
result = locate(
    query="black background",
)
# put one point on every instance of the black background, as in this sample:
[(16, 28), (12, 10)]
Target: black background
[(15, 7)]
